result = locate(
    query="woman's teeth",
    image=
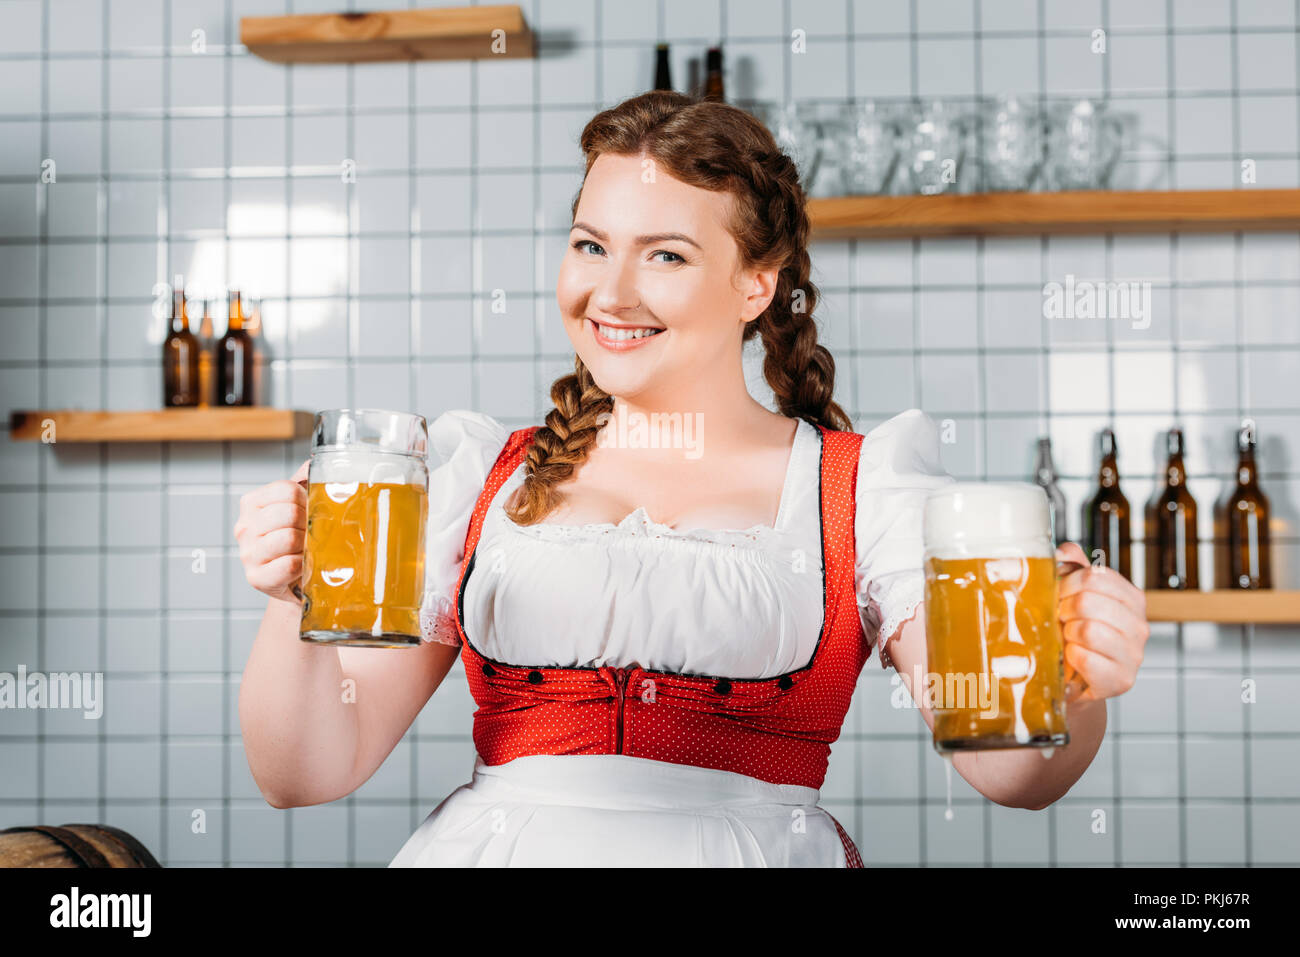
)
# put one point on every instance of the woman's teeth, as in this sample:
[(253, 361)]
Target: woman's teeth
[(618, 335)]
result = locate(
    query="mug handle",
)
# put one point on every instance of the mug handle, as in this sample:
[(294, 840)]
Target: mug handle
[(296, 587), (1075, 684)]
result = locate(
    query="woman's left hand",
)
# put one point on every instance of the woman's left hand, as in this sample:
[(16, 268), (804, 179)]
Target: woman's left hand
[(1103, 623)]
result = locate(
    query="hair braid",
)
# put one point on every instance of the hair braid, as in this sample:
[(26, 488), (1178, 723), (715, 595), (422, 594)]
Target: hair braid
[(561, 444)]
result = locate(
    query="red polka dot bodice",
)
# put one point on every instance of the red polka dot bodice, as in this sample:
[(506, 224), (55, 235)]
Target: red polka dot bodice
[(776, 729)]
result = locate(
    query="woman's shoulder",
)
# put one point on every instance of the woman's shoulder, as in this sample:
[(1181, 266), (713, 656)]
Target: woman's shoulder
[(459, 432), (900, 462), (906, 444)]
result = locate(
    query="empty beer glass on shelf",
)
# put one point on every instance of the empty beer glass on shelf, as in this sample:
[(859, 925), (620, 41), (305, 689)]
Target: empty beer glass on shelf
[(367, 504), (1083, 145), (934, 146), (827, 172), (1012, 142), (870, 148)]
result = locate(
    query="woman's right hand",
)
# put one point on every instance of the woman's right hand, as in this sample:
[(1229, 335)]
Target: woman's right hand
[(271, 531)]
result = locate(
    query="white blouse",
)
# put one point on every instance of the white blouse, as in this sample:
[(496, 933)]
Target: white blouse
[(742, 603)]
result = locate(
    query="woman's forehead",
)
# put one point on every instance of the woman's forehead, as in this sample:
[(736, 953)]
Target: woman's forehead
[(623, 195)]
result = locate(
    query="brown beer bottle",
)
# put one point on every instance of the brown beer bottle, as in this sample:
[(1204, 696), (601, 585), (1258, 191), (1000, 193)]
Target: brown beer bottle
[(1247, 516), (234, 359), (1171, 526), (663, 69), (180, 355), (713, 75), (205, 354), (1045, 477), (1106, 517)]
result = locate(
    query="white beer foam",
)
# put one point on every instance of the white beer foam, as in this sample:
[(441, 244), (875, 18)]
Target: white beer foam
[(988, 520), (347, 466)]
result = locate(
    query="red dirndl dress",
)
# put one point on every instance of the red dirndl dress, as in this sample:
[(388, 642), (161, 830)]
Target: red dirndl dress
[(776, 730)]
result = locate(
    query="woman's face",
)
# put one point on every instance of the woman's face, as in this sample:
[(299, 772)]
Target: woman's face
[(648, 252)]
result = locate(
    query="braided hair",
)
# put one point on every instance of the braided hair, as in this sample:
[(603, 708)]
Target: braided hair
[(721, 148)]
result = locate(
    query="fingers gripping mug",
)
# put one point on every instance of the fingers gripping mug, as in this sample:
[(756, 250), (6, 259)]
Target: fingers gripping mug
[(367, 506), (994, 647)]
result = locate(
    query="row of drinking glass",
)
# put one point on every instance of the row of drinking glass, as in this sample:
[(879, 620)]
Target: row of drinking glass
[(1007, 143)]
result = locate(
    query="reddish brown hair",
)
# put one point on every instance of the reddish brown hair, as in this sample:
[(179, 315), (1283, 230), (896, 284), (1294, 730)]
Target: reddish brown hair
[(721, 148)]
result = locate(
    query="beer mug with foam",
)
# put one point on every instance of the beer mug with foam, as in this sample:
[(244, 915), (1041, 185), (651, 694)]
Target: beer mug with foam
[(367, 504), (994, 646)]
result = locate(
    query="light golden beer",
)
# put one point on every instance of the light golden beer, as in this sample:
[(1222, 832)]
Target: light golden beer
[(363, 566), (995, 617), (993, 641), (367, 502)]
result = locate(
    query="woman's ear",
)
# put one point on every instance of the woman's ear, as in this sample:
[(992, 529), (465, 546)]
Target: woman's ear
[(758, 287)]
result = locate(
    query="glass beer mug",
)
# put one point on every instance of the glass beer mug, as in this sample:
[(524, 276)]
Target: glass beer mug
[(367, 505), (993, 641)]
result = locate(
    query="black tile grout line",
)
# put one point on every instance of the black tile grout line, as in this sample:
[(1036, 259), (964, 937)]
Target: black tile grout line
[(318, 173), (1045, 370), (227, 187), (290, 70), (413, 377), (1239, 321), (164, 463), (787, 50), (42, 385), (981, 446), (1180, 723), (1063, 33), (923, 835), (279, 111), (103, 224), (535, 233), (1112, 724), (354, 329)]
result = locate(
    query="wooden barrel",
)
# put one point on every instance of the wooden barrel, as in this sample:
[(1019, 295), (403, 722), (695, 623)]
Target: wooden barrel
[(72, 845)]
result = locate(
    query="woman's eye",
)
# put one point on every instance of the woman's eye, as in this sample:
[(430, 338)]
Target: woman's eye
[(664, 252), (581, 243)]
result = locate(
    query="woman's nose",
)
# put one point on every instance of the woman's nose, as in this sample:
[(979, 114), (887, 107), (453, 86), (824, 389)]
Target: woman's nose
[(616, 288)]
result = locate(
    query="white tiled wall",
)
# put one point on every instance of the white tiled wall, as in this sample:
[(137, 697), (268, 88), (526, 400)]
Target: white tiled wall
[(226, 168)]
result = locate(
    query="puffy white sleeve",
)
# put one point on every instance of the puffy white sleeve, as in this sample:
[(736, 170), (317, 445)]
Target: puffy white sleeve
[(898, 466), (468, 444)]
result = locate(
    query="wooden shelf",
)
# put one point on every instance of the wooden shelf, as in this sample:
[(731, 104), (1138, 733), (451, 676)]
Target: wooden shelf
[(446, 33), (1226, 607), (251, 424), (1013, 214)]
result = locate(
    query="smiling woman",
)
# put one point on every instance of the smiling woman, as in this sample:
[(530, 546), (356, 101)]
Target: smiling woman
[(662, 637)]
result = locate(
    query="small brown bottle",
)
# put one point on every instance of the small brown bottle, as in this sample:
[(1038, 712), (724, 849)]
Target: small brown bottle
[(205, 354), (663, 69), (180, 355), (1108, 534), (1246, 517), (234, 359), (1171, 545), (1045, 477), (713, 75)]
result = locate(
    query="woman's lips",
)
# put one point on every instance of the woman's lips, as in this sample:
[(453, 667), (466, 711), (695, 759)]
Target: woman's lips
[(621, 345)]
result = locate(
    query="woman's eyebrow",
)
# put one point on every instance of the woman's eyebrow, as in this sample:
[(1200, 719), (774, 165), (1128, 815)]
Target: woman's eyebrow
[(640, 240)]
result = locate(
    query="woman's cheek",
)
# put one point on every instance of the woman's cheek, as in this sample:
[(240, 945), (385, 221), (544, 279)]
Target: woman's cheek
[(566, 289)]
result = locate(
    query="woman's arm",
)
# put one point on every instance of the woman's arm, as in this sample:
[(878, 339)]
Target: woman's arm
[(1104, 628), (317, 721)]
